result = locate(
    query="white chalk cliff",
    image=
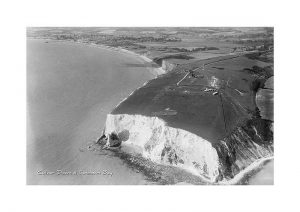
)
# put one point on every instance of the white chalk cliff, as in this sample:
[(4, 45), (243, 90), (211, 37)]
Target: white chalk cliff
[(155, 140), (166, 145)]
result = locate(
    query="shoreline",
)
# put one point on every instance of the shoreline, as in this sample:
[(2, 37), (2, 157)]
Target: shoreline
[(242, 174), (155, 71)]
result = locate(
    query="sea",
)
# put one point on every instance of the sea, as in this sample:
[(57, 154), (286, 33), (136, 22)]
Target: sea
[(70, 89)]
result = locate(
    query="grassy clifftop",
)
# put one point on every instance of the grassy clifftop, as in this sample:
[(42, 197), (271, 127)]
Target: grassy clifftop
[(209, 102)]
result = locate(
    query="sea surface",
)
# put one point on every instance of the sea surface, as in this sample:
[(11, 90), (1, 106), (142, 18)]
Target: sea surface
[(70, 89)]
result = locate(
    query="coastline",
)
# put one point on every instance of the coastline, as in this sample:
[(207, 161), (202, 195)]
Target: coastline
[(252, 167), (155, 71)]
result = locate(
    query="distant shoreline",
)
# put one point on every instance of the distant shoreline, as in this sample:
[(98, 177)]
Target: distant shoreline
[(155, 71)]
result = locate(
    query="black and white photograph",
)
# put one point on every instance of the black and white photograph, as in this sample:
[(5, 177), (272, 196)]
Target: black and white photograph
[(150, 105)]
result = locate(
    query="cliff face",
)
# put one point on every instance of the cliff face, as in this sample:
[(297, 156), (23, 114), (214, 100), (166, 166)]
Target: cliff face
[(245, 145), (265, 99), (151, 137), (166, 145), (208, 124), (167, 65)]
